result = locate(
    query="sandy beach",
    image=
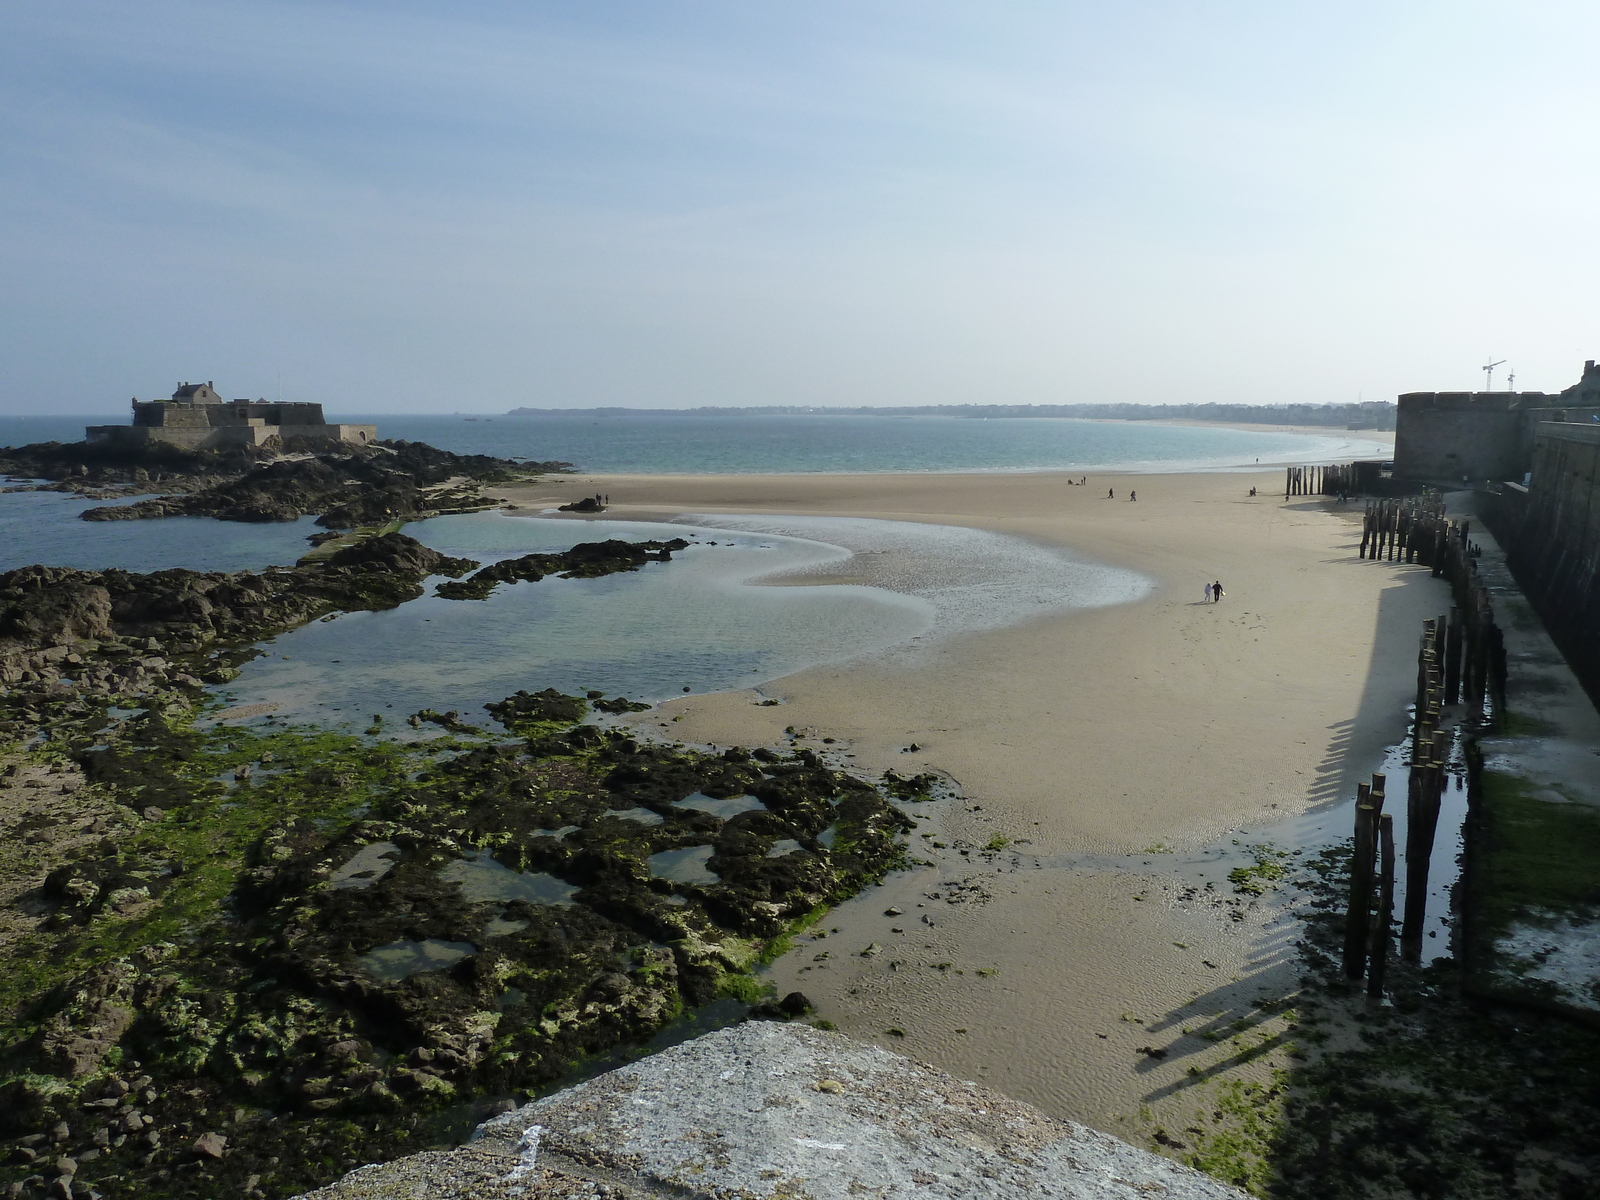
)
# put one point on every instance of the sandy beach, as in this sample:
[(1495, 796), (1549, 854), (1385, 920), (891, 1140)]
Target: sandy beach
[(1103, 753)]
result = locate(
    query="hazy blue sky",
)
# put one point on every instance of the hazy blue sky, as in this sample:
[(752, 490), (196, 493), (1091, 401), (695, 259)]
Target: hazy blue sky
[(472, 205)]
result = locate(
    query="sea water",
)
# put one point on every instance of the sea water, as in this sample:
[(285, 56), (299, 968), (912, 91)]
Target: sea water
[(700, 623), (679, 443), (44, 527)]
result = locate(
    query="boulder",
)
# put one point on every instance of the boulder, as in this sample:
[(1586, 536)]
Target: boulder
[(763, 1110)]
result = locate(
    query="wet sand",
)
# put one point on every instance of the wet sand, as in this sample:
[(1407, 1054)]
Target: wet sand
[(1123, 732)]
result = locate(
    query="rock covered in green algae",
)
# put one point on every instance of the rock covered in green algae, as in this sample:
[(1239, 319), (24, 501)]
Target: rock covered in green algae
[(249, 995)]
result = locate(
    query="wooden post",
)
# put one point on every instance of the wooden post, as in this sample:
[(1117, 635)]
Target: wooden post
[(1378, 957), (1452, 659), (1359, 912), (1422, 822)]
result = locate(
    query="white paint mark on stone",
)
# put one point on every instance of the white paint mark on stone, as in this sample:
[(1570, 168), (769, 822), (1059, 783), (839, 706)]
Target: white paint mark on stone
[(813, 1144), (528, 1149)]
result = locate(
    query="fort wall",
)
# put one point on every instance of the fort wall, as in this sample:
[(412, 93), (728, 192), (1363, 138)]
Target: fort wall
[(1457, 436), (196, 418), (1550, 530)]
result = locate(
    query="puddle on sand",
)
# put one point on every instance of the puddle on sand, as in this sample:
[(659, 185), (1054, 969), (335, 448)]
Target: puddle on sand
[(482, 878), (642, 815), (398, 960), (683, 866), (726, 809), (370, 864), (784, 846)]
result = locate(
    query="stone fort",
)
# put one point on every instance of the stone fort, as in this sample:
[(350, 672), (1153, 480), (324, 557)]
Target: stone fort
[(197, 418), (1476, 437)]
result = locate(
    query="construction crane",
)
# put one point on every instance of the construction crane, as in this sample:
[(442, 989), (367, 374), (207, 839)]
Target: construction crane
[(1489, 370)]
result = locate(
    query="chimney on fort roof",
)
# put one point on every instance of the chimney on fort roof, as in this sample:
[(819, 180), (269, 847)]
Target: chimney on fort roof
[(1588, 366)]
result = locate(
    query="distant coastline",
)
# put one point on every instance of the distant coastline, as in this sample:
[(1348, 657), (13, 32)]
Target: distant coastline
[(1373, 414)]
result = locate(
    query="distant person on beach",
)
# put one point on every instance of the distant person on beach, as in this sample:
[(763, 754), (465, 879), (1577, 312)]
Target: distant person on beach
[(1252, 491), (1133, 495), (1111, 493), (1216, 592), (1208, 593)]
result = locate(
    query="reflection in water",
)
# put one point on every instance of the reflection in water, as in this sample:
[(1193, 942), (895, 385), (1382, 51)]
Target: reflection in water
[(398, 960), (644, 816), (683, 866)]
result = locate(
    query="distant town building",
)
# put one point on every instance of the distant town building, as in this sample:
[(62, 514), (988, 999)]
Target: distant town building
[(197, 418)]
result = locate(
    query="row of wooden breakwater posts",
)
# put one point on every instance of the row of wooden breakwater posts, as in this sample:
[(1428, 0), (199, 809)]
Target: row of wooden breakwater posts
[(1334, 480), (1461, 660)]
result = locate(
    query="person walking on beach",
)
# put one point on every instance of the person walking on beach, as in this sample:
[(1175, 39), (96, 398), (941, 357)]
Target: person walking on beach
[(1208, 593), (1133, 495), (1111, 493), (1216, 592)]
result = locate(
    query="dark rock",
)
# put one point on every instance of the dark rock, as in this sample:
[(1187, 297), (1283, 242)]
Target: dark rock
[(521, 712), (587, 560)]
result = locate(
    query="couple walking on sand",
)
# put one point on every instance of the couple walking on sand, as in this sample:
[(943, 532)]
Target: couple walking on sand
[(1214, 592)]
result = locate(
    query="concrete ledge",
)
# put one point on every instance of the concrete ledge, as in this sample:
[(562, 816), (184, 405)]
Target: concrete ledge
[(782, 1111)]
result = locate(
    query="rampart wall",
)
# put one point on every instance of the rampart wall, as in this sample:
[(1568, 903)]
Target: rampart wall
[(1551, 534)]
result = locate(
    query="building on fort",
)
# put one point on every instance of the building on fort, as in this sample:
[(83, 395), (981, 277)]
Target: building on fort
[(1473, 437), (197, 418)]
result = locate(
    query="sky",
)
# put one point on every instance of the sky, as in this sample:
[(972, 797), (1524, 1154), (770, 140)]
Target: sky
[(473, 206)]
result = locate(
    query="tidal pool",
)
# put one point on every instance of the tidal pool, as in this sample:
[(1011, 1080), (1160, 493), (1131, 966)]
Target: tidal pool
[(683, 866), (727, 808), (398, 960), (367, 866), (482, 878)]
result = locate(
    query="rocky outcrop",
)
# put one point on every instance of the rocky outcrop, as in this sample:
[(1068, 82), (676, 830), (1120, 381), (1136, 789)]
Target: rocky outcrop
[(254, 483), (587, 560), (365, 487), (105, 633), (763, 1110)]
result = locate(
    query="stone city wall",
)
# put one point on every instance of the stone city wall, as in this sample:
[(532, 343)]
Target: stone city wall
[(1550, 531)]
